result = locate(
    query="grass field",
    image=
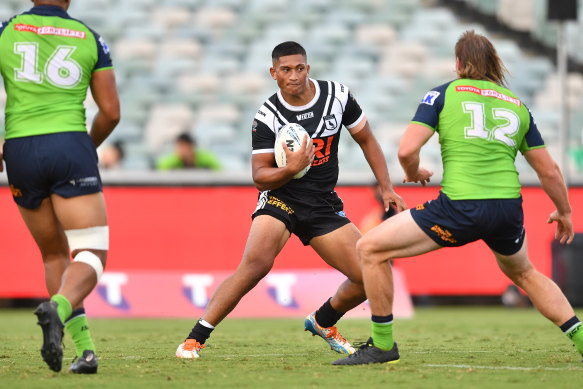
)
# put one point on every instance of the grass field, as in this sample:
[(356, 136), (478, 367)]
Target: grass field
[(465, 347)]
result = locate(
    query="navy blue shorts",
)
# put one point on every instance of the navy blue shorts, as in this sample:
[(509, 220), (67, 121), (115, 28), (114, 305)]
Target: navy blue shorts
[(307, 215), (452, 223), (64, 163)]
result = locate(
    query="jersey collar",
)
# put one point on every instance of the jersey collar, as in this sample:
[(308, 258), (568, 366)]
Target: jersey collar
[(48, 10), (303, 107)]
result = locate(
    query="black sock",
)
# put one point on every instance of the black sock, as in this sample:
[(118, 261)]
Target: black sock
[(327, 316), (200, 333), (569, 323), (75, 313)]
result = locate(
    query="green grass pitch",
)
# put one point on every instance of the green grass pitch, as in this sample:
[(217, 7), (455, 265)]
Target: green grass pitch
[(443, 347)]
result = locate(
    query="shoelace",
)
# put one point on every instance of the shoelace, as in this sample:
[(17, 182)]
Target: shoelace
[(334, 334), (192, 344)]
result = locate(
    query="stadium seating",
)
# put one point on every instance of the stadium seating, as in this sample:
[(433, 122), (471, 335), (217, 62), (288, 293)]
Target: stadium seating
[(202, 65)]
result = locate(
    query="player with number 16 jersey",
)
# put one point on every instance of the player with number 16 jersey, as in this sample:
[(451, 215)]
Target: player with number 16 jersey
[(48, 61)]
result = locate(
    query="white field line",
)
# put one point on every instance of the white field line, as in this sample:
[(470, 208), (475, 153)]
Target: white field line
[(520, 368)]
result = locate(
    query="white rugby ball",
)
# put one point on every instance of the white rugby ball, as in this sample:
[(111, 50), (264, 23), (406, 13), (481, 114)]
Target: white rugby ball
[(292, 134)]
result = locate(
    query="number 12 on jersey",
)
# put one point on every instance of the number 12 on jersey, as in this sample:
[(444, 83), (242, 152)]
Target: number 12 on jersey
[(503, 132)]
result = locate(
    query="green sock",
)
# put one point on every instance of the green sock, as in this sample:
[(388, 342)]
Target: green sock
[(382, 334), (576, 335), (79, 330), (64, 308)]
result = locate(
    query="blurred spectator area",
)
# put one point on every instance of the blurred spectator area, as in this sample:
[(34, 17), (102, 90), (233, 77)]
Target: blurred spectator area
[(202, 66)]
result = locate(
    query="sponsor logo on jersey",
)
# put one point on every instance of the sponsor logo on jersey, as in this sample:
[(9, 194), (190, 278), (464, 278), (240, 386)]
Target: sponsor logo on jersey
[(420, 207), (443, 234), (330, 122), (49, 30), (254, 126), (304, 116), (104, 45), (260, 112), (430, 97), (15, 191), (488, 93)]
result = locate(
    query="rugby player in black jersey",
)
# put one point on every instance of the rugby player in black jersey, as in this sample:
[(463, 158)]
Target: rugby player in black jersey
[(308, 207)]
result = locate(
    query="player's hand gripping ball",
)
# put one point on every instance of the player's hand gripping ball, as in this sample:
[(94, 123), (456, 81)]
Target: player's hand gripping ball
[(292, 134)]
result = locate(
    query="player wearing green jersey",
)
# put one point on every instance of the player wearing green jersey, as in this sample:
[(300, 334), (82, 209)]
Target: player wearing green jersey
[(481, 127), (48, 62)]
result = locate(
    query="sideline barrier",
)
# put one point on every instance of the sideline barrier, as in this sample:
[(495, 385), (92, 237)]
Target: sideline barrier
[(204, 229)]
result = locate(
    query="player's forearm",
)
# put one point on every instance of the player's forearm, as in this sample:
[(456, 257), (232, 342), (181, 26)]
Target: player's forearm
[(554, 186), (376, 159), (102, 126), (410, 164), (268, 178)]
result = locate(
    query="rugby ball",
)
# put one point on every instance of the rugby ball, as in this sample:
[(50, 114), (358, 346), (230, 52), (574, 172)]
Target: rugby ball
[(292, 134)]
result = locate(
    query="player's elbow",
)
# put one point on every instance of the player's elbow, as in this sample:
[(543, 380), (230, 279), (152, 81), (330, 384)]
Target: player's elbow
[(112, 114), (406, 154)]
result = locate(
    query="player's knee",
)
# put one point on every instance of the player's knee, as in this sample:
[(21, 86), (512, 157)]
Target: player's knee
[(89, 246), (365, 248), (91, 259), (255, 268)]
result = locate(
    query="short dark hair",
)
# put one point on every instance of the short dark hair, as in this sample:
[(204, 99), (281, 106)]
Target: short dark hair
[(287, 48), (186, 137)]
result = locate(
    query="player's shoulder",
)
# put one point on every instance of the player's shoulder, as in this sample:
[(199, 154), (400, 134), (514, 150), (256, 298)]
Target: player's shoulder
[(267, 111), (336, 89)]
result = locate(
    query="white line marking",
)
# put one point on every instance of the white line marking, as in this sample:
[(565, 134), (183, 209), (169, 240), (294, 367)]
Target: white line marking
[(505, 367)]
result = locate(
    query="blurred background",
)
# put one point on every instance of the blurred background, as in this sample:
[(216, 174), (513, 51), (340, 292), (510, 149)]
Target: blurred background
[(201, 68)]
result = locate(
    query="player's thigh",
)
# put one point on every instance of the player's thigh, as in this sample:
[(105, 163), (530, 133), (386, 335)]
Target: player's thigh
[(338, 249), (397, 237), (267, 237), (515, 264), (80, 212), (45, 229)]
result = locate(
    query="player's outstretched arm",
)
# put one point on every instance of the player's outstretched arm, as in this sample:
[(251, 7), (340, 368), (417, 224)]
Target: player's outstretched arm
[(376, 159), (553, 183), (104, 91), (413, 139), (267, 177)]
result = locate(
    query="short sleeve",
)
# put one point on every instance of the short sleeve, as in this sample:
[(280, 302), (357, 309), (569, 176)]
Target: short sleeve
[(430, 107), (262, 138), (352, 112), (533, 138), (103, 58)]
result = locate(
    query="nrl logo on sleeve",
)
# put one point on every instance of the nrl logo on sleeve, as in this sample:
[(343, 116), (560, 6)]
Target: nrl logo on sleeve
[(104, 45), (430, 97)]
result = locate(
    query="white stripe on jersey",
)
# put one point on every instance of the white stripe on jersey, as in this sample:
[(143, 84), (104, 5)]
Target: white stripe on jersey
[(328, 99), (279, 116), (265, 116), (356, 123), (263, 151)]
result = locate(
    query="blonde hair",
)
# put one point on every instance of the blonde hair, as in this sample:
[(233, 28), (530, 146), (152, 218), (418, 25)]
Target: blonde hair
[(479, 59)]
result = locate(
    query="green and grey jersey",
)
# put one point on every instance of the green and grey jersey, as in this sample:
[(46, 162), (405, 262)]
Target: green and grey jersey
[(47, 60), (481, 128)]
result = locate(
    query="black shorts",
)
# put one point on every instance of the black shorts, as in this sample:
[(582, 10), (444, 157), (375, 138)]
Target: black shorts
[(452, 223), (64, 163), (305, 214)]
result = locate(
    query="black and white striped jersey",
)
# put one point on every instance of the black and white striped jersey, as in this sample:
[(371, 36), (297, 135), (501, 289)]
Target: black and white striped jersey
[(332, 106)]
